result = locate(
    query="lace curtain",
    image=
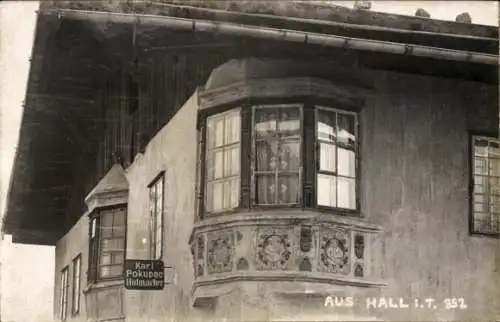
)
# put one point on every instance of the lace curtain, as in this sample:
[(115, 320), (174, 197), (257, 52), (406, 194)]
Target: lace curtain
[(336, 180), (223, 161), (278, 155)]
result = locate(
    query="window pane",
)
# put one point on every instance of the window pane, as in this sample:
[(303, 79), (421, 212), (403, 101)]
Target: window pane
[(289, 189), (159, 191), (158, 250), (267, 155), (265, 121), (231, 162), (93, 228), (112, 244), (479, 207), (106, 220), (226, 202), (106, 232), (218, 166), (289, 156), (479, 198), (327, 157), (346, 197), (494, 205), (217, 196), (158, 222), (115, 270), (265, 187), (234, 192), (289, 123), (209, 165), (495, 186), (480, 166), (104, 271), (119, 220), (219, 133), (327, 126), (105, 259), (232, 128), (482, 221), (494, 149), (224, 162), (479, 184), (494, 167), (481, 147), (117, 258), (346, 162), (209, 199), (346, 134), (326, 190)]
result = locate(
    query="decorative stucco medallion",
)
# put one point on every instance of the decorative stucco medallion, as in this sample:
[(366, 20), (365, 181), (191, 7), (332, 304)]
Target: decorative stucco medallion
[(220, 252), (273, 249), (334, 253)]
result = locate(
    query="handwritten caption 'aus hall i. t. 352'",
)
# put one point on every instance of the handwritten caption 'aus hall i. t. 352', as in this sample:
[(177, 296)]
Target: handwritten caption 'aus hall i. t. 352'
[(450, 303)]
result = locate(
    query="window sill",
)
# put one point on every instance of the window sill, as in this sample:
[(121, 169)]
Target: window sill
[(485, 235), (276, 216), (118, 281)]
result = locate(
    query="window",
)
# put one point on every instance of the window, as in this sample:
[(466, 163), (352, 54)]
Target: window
[(107, 244), (223, 161), (336, 144), (486, 185), (282, 155), (277, 144), (77, 268), (156, 189), (64, 294)]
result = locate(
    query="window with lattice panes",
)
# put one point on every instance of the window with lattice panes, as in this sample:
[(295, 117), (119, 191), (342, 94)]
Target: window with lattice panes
[(223, 161), (63, 309), (77, 269), (337, 154), (277, 146), (107, 243), (156, 204), (486, 185)]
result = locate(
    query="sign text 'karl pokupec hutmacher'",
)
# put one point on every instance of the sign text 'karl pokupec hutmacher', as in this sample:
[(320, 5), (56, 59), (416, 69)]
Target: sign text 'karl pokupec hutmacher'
[(286, 160)]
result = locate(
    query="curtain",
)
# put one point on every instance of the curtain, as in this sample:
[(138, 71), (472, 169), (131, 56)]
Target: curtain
[(278, 155)]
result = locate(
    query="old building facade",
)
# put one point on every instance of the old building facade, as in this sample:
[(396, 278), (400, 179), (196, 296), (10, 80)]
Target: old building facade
[(281, 168)]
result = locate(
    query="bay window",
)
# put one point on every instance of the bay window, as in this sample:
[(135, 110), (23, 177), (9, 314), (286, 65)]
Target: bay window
[(284, 155)]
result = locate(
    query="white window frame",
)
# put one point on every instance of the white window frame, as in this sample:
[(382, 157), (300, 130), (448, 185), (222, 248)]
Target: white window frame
[(356, 159), (63, 309), (76, 285), (482, 202), (156, 215), (209, 156)]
